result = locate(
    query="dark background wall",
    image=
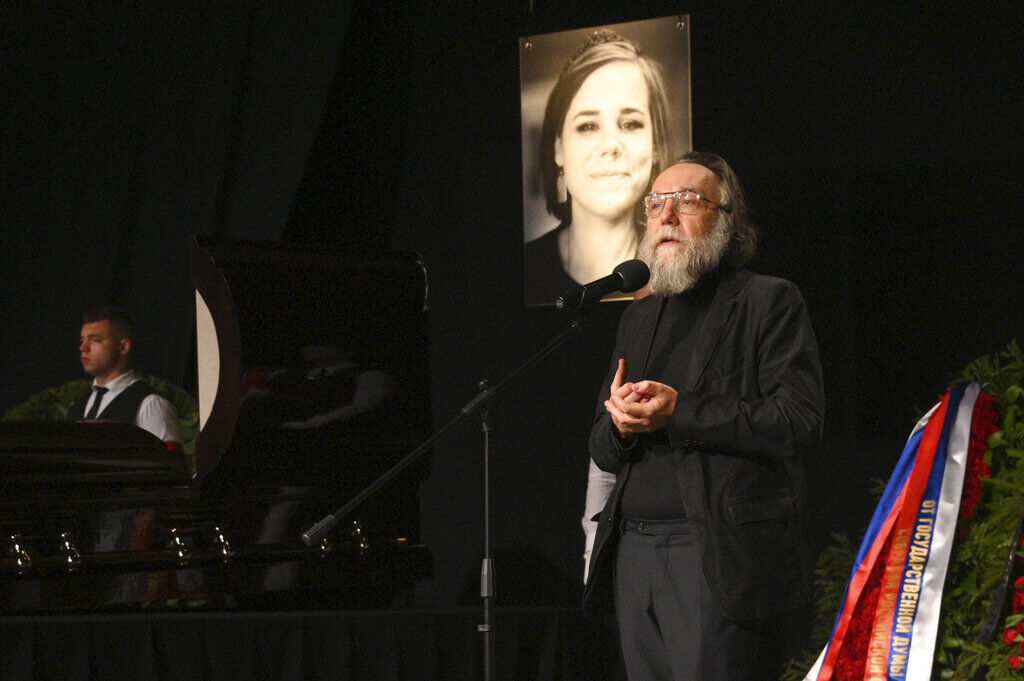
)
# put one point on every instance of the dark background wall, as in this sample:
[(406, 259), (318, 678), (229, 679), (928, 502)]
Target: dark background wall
[(880, 146)]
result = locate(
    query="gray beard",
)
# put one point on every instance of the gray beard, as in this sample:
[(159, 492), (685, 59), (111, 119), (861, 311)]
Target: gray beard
[(672, 275)]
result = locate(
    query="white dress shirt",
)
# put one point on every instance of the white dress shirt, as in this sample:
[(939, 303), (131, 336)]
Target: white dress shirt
[(599, 487), (156, 414)]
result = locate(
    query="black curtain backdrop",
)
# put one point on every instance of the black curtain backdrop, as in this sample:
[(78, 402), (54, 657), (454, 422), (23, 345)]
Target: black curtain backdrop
[(879, 146), (536, 644), (128, 126)]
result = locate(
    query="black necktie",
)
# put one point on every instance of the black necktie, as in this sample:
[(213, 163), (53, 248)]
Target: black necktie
[(94, 412)]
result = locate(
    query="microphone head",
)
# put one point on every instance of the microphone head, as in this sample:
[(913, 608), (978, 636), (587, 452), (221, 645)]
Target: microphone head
[(634, 274)]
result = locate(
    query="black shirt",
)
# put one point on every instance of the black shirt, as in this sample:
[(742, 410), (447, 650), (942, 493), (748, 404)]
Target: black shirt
[(652, 491)]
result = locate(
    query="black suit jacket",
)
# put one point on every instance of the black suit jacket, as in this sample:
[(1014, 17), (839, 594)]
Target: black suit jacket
[(750, 407)]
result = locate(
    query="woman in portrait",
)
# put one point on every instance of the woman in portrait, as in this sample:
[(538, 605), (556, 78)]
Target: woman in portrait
[(604, 137)]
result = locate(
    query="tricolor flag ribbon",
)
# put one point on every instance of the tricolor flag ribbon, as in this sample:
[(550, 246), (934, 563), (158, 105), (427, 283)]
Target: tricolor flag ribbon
[(889, 616)]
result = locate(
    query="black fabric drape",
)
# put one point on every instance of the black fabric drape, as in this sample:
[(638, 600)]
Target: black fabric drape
[(542, 644), (128, 126)]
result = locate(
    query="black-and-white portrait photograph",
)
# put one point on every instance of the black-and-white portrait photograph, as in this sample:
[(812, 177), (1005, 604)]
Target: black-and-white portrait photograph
[(604, 110)]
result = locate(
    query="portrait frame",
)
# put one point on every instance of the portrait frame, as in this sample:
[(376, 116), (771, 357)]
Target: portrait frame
[(543, 57)]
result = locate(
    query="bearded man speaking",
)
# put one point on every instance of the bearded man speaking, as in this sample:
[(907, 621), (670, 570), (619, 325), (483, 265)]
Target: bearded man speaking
[(713, 399)]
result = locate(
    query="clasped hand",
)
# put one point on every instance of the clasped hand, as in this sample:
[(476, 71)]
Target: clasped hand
[(642, 407)]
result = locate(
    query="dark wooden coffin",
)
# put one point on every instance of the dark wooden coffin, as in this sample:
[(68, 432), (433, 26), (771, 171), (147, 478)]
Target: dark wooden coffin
[(312, 381)]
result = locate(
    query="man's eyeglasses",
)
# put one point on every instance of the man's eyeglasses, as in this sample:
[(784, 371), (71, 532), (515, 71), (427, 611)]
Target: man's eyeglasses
[(686, 202)]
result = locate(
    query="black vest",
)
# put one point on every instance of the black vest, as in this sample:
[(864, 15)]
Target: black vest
[(123, 408)]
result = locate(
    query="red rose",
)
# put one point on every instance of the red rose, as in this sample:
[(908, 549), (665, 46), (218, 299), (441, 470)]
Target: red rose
[(973, 489), (1016, 663), (1010, 636), (1018, 585), (1018, 602), (972, 461), (971, 497), (985, 418), (985, 408), (984, 422), (977, 467)]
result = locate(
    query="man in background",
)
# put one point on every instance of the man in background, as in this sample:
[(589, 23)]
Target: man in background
[(118, 394)]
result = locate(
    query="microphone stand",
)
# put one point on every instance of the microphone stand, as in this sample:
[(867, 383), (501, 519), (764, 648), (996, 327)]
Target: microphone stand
[(477, 407), (487, 566)]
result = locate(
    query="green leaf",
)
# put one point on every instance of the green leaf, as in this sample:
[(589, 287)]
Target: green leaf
[(996, 440)]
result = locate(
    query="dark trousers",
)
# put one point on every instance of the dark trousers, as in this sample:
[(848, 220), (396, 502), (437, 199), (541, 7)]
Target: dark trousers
[(670, 626)]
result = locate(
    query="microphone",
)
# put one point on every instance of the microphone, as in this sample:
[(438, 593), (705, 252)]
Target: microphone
[(626, 277)]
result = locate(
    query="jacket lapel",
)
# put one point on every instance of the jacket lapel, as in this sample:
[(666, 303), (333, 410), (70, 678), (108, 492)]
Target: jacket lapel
[(650, 341), (721, 309)]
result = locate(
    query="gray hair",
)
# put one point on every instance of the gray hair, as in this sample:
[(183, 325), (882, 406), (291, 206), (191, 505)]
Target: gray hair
[(743, 233)]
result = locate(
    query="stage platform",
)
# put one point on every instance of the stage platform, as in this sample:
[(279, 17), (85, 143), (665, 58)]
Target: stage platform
[(379, 645)]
